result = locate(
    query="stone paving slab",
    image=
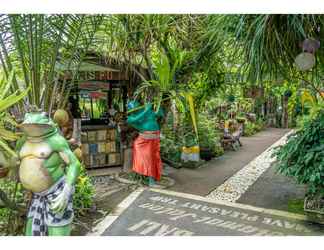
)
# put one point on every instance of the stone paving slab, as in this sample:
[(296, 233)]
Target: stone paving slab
[(273, 190), (148, 212)]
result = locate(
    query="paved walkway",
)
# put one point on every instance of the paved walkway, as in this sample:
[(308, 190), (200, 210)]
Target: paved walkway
[(214, 173), (232, 189), (150, 212), (266, 189), (273, 190), (231, 195)]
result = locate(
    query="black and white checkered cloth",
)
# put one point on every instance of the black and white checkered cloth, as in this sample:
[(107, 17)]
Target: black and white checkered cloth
[(41, 215)]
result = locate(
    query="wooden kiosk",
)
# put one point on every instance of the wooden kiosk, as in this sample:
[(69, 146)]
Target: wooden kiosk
[(102, 95)]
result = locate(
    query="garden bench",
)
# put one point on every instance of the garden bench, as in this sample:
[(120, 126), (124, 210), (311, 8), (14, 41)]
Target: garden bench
[(231, 140)]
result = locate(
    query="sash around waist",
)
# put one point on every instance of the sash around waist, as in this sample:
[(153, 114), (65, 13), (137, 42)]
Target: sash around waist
[(150, 134)]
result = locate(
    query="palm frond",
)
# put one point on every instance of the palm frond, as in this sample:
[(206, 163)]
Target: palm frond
[(33, 44)]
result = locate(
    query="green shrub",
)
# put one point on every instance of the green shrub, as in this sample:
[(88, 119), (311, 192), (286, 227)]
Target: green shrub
[(84, 192), (251, 128), (302, 157), (170, 150), (169, 147), (15, 226), (259, 125), (209, 135)]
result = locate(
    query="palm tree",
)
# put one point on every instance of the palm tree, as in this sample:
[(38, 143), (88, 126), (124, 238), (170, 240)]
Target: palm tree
[(6, 101), (32, 45), (265, 46), (8, 135)]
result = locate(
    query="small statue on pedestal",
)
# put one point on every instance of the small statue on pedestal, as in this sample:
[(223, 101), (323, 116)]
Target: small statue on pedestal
[(146, 148)]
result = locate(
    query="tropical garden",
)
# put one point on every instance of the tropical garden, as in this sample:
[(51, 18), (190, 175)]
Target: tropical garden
[(208, 72)]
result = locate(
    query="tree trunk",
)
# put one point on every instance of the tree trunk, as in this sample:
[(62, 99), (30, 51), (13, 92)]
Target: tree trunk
[(285, 112), (127, 166), (175, 114)]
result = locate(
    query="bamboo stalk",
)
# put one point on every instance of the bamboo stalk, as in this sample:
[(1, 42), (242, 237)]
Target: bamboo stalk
[(89, 40), (74, 48), (31, 60), (39, 51), (50, 80)]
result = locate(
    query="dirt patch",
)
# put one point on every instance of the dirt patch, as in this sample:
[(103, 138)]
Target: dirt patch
[(109, 193)]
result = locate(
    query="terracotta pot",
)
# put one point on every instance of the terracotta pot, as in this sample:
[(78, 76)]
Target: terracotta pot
[(3, 172)]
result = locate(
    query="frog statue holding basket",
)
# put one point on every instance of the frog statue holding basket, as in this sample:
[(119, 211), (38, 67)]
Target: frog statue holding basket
[(49, 169)]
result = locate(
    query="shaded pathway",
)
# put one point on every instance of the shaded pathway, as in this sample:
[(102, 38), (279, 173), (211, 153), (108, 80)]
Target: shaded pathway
[(211, 175), (232, 189)]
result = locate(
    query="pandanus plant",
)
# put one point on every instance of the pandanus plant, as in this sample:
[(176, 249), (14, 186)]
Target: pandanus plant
[(33, 45), (164, 75), (164, 87), (8, 99)]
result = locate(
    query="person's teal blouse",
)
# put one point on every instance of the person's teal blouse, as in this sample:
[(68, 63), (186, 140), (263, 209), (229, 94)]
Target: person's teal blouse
[(145, 119)]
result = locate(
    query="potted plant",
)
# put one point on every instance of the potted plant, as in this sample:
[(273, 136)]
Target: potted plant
[(206, 152)]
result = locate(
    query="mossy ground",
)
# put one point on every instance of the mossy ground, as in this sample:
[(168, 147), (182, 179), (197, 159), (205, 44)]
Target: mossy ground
[(296, 206)]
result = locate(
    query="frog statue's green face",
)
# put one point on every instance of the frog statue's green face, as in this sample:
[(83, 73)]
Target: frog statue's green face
[(37, 124)]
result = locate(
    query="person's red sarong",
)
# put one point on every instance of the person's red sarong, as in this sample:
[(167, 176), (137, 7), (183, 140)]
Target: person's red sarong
[(146, 155)]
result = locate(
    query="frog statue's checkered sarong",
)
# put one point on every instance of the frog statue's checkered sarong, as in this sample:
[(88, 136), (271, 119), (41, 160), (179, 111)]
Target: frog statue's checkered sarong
[(40, 213)]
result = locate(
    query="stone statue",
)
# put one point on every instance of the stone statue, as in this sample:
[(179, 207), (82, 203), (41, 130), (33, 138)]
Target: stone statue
[(49, 169), (146, 147)]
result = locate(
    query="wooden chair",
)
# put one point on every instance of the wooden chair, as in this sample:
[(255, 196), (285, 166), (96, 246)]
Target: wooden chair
[(230, 140)]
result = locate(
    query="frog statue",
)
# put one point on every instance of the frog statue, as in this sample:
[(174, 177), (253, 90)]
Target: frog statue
[(49, 169)]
